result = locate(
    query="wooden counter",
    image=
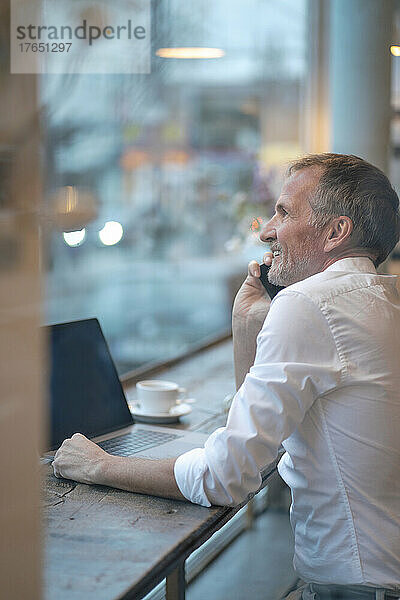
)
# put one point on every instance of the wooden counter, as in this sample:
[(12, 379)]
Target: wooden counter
[(104, 544)]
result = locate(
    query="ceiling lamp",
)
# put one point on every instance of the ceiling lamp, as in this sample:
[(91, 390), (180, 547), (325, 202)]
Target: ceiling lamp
[(186, 52), (70, 209)]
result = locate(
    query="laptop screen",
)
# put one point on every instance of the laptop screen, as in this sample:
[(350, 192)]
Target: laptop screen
[(86, 395)]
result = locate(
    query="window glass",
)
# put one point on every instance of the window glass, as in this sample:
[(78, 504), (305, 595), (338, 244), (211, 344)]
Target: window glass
[(170, 175)]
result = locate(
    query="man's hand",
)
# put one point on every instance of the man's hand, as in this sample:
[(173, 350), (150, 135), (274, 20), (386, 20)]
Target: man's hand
[(252, 300), (80, 459)]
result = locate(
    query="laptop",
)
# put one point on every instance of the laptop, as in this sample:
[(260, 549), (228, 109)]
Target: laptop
[(86, 396)]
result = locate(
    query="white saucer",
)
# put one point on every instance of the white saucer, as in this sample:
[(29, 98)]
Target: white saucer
[(174, 414)]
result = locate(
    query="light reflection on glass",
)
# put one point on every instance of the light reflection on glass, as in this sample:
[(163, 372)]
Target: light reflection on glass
[(111, 233), (74, 238)]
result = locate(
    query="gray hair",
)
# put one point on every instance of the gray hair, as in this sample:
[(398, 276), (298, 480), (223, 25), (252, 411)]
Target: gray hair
[(352, 187)]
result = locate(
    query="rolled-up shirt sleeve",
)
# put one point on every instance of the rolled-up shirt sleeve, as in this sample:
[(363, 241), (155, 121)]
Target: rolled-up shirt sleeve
[(296, 362)]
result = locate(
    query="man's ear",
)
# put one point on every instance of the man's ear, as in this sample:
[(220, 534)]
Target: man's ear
[(339, 232)]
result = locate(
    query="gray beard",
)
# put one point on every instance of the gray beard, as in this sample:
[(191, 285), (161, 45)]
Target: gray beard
[(287, 272)]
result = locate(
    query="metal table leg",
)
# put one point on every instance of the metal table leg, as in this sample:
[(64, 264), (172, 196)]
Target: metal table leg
[(250, 514), (176, 583)]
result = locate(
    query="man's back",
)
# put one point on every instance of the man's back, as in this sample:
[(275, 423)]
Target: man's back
[(325, 384), (343, 459)]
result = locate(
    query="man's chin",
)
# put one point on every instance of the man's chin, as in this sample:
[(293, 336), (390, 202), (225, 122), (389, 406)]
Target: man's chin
[(280, 274), (275, 277)]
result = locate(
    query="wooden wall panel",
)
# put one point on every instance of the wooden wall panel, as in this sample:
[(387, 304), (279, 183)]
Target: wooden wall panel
[(20, 345)]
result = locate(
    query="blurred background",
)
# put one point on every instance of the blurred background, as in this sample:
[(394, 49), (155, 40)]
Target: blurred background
[(174, 172)]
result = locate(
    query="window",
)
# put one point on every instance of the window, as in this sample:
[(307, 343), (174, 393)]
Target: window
[(170, 174)]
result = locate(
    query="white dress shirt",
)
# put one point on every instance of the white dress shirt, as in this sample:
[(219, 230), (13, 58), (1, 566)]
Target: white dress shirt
[(326, 385)]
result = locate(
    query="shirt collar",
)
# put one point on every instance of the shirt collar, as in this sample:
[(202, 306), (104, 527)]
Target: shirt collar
[(353, 264)]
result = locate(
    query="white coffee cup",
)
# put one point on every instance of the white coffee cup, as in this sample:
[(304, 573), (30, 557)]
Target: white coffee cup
[(155, 396)]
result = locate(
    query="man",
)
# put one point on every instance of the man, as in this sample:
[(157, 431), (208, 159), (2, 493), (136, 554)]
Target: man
[(325, 384)]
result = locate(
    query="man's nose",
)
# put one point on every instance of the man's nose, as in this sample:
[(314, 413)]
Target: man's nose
[(268, 233)]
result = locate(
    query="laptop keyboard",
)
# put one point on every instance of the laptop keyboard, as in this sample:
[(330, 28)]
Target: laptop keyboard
[(137, 440)]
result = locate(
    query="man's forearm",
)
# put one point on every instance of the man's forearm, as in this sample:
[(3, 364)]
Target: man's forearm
[(141, 475), (245, 331), (250, 308), (81, 460)]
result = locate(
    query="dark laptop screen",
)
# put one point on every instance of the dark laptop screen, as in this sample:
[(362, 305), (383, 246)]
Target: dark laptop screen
[(86, 395)]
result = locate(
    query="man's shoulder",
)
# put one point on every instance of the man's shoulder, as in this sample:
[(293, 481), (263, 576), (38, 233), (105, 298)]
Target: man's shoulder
[(324, 286), (298, 311), (328, 285)]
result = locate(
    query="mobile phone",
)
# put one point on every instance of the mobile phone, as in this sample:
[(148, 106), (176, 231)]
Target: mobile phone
[(272, 289)]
